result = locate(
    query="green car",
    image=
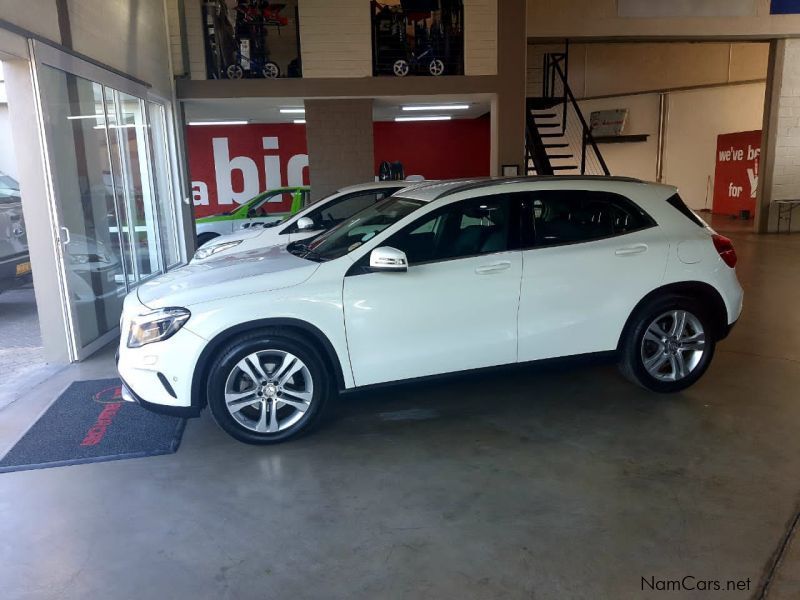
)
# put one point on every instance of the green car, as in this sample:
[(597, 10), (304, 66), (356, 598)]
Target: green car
[(263, 210)]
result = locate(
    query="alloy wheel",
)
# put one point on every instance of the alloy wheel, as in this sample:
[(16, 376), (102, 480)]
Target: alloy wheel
[(400, 67), (271, 70), (269, 391), (234, 72), (436, 67), (673, 345)]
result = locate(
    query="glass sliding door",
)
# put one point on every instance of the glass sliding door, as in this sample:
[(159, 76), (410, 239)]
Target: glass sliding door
[(130, 130), (113, 205), (82, 177), (165, 207)]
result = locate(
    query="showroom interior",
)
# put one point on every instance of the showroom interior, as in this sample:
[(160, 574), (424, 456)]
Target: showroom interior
[(136, 132)]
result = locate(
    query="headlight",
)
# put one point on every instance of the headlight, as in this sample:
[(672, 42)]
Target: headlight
[(212, 249), (156, 326)]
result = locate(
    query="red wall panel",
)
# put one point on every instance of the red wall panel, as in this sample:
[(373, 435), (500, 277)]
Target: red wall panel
[(435, 149), (229, 164), (736, 174)]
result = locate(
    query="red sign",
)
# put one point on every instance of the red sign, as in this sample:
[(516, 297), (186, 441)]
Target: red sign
[(736, 175), (232, 163)]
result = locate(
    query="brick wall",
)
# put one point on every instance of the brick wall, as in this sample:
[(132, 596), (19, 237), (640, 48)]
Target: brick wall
[(335, 38), (175, 25), (194, 38), (786, 174), (480, 37), (340, 146)]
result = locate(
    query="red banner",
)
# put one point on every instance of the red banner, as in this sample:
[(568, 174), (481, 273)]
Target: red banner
[(736, 175), (232, 163)]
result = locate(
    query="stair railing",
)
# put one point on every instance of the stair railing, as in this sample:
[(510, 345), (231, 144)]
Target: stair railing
[(573, 124)]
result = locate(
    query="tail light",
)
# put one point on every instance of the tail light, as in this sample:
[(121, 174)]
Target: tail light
[(725, 248)]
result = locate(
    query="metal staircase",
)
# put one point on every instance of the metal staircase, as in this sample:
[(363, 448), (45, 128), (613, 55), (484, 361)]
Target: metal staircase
[(558, 141)]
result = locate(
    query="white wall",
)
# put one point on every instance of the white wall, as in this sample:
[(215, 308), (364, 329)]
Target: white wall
[(637, 159), (8, 161), (696, 118)]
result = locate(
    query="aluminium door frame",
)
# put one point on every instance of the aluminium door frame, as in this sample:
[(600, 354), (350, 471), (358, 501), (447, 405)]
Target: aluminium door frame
[(42, 54)]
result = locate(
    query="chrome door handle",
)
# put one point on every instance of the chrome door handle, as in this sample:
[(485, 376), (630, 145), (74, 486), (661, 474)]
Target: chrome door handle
[(66, 239), (493, 268), (631, 250)]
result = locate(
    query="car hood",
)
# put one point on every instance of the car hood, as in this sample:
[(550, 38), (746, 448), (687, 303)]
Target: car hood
[(242, 234), (234, 275), (217, 217)]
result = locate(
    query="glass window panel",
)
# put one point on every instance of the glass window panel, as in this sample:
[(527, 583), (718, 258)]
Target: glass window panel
[(131, 133), (165, 204), (82, 179)]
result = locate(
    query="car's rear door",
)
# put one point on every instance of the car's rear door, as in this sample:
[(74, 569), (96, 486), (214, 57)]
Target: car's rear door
[(589, 257), (456, 306)]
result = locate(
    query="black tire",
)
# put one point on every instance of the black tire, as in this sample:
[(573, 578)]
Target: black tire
[(205, 237), (229, 356), (631, 361)]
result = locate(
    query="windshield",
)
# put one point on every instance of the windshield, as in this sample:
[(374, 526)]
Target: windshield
[(9, 190), (358, 229)]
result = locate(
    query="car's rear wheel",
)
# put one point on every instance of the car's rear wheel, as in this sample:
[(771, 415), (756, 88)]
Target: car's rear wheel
[(267, 388), (668, 344)]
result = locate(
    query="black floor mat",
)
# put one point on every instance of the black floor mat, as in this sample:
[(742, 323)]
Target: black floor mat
[(89, 422)]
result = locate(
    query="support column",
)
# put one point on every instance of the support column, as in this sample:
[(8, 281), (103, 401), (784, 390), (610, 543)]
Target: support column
[(779, 167), (340, 146), (508, 106)]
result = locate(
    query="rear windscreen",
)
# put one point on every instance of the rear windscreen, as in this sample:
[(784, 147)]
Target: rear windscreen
[(681, 207)]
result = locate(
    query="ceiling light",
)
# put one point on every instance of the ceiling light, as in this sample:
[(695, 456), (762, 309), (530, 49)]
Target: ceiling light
[(290, 111), (73, 117), (435, 118), (217, 122), (299, 121), (437, 107), (126, 126)]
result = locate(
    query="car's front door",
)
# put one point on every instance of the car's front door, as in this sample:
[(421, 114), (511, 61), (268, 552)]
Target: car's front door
[(589, 257), (456, 306)]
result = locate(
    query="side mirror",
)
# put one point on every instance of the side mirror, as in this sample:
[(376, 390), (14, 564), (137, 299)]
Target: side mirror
[(304, 223), (388, 259)]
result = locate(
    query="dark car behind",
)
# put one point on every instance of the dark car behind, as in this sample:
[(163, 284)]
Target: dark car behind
[(15, 262)]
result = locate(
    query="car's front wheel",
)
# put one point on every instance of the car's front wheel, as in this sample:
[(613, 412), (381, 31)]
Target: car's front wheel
[(267, 388), (668, 344)]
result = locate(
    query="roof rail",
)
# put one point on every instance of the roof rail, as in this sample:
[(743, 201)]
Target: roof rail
[(494, 181)]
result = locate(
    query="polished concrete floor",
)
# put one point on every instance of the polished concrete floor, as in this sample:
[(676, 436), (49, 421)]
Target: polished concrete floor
[(563, 483), (21, 353)]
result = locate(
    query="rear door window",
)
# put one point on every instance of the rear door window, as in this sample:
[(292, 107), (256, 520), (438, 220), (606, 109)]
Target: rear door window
[(576, 216)]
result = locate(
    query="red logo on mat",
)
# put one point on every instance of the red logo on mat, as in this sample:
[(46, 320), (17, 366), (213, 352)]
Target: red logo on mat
[(109, 394), (97, 431)]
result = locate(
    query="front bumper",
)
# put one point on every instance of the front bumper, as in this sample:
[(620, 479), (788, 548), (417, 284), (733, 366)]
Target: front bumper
[(159, 376), (186, 412)]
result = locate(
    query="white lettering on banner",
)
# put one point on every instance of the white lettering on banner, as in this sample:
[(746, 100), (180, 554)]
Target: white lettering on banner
[(224, 166), (272, 163), (753, 177), (737, 154), (295, 168), (199, 193)]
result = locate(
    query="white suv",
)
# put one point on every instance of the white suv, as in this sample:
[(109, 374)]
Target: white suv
[(443, 278), (314, 219)]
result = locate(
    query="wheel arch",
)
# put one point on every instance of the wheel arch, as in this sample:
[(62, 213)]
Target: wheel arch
[(704, 292), (306, 331)]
